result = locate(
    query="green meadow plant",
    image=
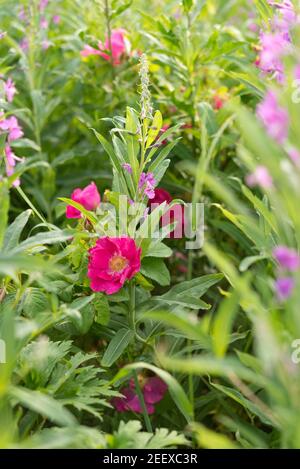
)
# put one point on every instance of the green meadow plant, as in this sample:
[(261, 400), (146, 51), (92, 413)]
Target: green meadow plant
[(149, 224)]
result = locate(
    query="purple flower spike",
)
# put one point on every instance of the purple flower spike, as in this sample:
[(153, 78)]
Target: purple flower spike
[(287, 258)]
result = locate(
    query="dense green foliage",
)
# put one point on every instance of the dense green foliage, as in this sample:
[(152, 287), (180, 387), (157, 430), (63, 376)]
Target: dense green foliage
[(206, 321)]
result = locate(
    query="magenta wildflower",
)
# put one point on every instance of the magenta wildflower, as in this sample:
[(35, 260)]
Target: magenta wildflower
[(43, 23), (294, 155), (2, 34), (45, 44), (10, 163), (274, 117), (24, 44), (127, 167), (56, 19), (43, 4), (284, 287), (11, 126), (288, 258), (147, 184), (260, 177), (273, 47), (153, 390), (10, 90)]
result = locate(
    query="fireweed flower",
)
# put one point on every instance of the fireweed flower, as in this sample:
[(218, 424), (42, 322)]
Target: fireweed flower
[(10, 90), (112, 261), (147, 184), (10, 163), (127, 167), (11, 126), (287, 258), (274, 117), (260, 177), (43, 23), (88, 197), (43, 4), (273, 47), (24, 44), (284, 287), (153, 390)]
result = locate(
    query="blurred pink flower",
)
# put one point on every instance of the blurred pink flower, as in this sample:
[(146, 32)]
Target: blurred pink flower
[(127, 167), (153, 390), (88, 50), (294, 155), (24, 44), (10, 163), (174, 214), (2, 34), (43, 4), (11, 125), (56, 19), (112, 261), (43, 23), (45, 44), (88, 197), (118, 47), (260, 177), (287, 258), (284, 287), (10, 90), (274, 117)]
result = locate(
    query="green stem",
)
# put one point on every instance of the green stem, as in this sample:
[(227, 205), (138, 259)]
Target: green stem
[(135, 376), (132, 306), (24, 196), (108, 27), (142, 402)]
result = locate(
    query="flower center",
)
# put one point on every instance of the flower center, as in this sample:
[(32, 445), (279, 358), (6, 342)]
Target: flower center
[(117, 263)]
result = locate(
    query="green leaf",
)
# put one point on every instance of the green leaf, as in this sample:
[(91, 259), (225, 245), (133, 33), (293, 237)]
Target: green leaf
[(43, 404), (117, 346), (210, 439), (51, 237), (102, 311), (4, 207), (89, 215), (155, 128), (13, 232), (156, 269), (222, 324)]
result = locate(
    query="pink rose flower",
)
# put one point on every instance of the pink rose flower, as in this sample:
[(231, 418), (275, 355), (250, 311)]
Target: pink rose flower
[(118, 46), (112, 261), (153, 390), (175, 213), (88, 197)]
